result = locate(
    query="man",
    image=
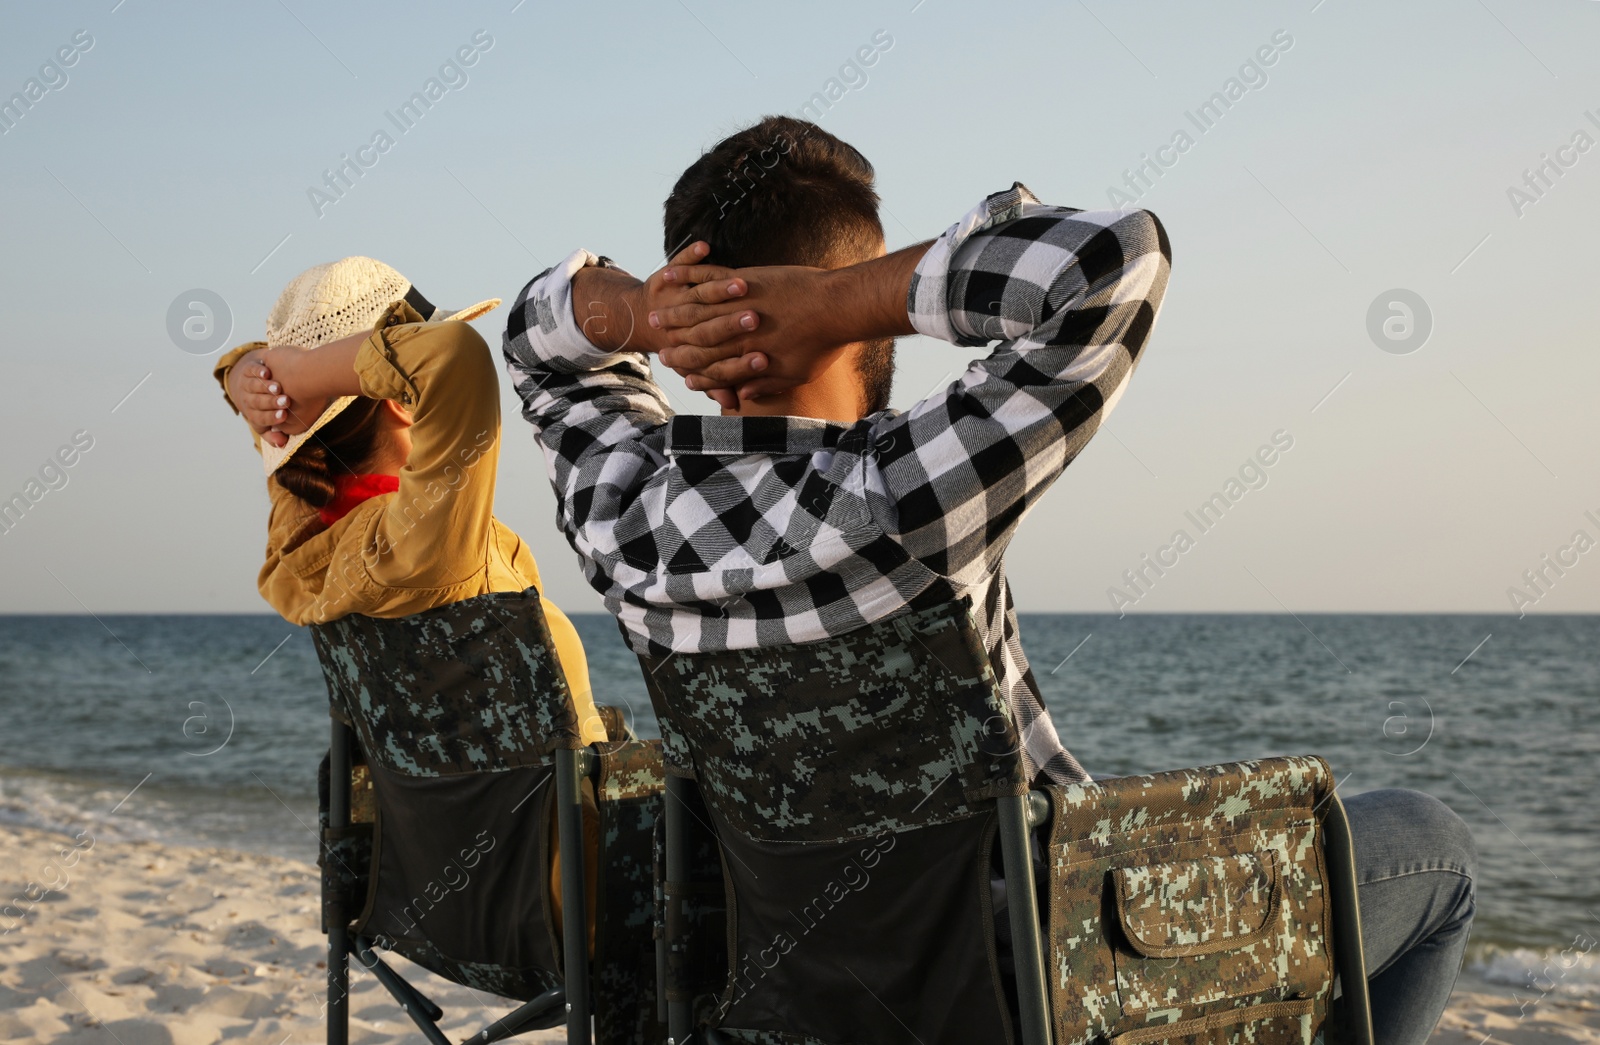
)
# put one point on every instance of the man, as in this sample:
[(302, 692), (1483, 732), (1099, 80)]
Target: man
[(808, 508), (813, 509)]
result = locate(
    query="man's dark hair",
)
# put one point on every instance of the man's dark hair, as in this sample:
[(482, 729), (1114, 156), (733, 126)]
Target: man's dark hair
[(784, 192)]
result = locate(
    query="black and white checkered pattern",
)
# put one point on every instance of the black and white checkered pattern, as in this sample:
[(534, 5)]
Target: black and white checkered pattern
[(708, 533)]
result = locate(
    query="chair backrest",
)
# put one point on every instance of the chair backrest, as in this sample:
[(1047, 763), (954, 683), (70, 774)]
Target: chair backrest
[(852, 786), (457, 712)]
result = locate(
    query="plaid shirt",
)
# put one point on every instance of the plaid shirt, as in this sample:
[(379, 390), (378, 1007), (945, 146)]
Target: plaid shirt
[(710, 533)]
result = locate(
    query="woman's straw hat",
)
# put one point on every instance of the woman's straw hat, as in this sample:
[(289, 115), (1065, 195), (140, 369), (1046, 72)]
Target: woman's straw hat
[(327, 302)]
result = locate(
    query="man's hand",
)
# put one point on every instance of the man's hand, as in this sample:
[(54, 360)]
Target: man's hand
[(619, 313), (806, 317), (795, 336)]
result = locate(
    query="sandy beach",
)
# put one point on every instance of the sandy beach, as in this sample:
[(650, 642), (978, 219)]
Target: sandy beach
[(149, 944)]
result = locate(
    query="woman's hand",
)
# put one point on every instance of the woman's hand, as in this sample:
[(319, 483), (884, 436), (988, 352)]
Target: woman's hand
[(272, 388), (258, 397), (304, 393)]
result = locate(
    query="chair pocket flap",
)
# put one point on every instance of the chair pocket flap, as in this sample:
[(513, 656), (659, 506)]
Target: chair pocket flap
[(1187, 907)]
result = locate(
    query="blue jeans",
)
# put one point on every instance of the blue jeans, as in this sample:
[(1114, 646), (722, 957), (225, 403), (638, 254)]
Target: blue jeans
[(1415, 862)]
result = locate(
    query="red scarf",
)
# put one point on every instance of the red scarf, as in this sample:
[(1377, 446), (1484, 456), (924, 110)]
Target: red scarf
[(351, 490)]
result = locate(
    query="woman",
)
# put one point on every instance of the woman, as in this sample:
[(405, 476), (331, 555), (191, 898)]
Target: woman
[(378, 422)]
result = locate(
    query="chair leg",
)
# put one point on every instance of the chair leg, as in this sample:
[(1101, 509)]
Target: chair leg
[(1023, 904), (405, 992), (338, 986), (1339, 850), (661, 967), (574, 905), (512, 1023), (338, 1012), (422, 1011), (680, 1013)]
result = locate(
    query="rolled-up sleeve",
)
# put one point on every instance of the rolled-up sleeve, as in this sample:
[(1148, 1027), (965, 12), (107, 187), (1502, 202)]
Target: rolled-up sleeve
[(596, 414), (543, 331), (1071, 296)]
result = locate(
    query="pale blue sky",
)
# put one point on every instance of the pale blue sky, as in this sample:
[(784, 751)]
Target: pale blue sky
[(1378, 154)]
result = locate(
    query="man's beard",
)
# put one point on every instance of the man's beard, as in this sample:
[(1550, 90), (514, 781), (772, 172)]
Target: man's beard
[(875, 364)]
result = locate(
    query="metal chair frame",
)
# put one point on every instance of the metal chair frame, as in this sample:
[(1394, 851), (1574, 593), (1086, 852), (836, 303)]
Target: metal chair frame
[(1349, 955)]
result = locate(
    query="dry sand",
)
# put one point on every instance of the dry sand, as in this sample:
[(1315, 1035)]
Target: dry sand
[(150, 944)]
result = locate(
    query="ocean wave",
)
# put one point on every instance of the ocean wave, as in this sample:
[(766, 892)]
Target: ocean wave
[(1568, 972), (47, 802), (155, 811)]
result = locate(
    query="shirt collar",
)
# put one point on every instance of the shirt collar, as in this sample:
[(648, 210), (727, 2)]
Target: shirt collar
[(732, 436)]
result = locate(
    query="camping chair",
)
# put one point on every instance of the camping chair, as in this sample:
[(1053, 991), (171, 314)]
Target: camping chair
[(447, 725), (854, 789)]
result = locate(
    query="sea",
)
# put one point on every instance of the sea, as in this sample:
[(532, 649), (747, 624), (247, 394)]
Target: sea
[(207, 731)]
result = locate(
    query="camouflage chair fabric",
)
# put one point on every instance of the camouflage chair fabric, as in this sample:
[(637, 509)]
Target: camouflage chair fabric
[(851, 785), (1193, 906), (457, 713)]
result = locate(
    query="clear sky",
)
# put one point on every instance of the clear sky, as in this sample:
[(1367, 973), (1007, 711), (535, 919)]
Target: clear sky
[(172, 146)]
